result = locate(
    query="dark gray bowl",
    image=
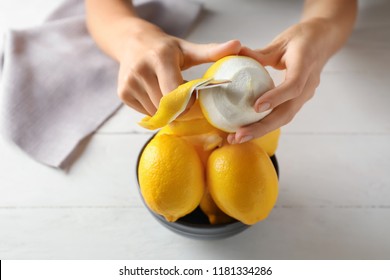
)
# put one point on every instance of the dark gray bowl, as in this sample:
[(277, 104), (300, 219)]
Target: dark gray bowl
[(196, 224)]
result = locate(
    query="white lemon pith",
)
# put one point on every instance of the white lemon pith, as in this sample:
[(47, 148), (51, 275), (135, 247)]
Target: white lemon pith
[(228, 106)]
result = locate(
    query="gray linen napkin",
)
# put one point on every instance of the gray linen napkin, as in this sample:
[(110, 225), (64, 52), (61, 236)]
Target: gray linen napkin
[(57, 87)]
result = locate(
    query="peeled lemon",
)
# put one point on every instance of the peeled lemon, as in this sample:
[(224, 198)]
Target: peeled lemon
[(242, 181), (230, 106), (171, 176), (227, 106)]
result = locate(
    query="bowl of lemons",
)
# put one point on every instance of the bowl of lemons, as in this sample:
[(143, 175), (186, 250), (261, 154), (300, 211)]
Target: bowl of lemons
[(206, 221), (190, 178)]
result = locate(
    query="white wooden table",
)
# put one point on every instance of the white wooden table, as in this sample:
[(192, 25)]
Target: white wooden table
[(334, 200)]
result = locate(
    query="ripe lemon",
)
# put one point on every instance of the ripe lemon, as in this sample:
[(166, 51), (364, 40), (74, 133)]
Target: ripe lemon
[(194, 128), (227, 106), (269, 142), (214, 214), (171, 176), (242, 181), (204, 144)]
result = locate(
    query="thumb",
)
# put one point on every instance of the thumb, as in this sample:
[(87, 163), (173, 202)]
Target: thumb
[(195, 54)]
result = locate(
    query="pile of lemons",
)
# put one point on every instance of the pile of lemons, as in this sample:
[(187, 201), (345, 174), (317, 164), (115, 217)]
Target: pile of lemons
[(189, 162)]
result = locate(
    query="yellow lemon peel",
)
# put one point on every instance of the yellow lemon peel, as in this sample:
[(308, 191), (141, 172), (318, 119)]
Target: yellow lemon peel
[(172, 105), (192, 127)]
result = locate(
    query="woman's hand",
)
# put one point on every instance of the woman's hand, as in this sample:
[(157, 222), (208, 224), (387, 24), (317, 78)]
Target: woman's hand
[(302, 52), (150, 60), (151, 63)]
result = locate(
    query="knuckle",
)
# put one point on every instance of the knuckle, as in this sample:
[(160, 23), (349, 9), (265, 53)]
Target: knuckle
[(139, 68), (121, 91), (122, 94), (126, 95), (161, 51)]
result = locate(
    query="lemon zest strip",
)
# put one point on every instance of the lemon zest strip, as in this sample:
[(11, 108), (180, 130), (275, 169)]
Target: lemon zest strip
[(172, 105)]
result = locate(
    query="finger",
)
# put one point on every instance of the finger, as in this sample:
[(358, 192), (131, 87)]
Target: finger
[(135, 91), (135, 105), (195, 54), (124, 93), (149, 87), (152, 87), (292, 87), (281, 115), (277, 118), (274, 120), (145, 101), (169, 75), (270, 56)]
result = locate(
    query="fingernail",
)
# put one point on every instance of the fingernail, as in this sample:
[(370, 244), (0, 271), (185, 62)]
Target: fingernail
[(263, 107), (246, 139)]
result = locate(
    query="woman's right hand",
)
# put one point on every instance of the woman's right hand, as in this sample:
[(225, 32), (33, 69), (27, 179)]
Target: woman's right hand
[(151, 63)]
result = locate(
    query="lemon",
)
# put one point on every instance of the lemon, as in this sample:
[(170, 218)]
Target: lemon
[(214, 214), (230, 106), (194, 128), (171, 176), (227, 106), (268, 142), (242, 181), (203, 143)]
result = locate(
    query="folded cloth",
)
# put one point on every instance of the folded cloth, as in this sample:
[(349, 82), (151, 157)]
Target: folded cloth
[(1, 53), (57, 87)]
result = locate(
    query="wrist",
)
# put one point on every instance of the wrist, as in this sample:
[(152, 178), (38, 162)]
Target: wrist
[(327, 34), (127, 31)]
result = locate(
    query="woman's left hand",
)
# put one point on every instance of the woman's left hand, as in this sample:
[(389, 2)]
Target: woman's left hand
[(302, 51)]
